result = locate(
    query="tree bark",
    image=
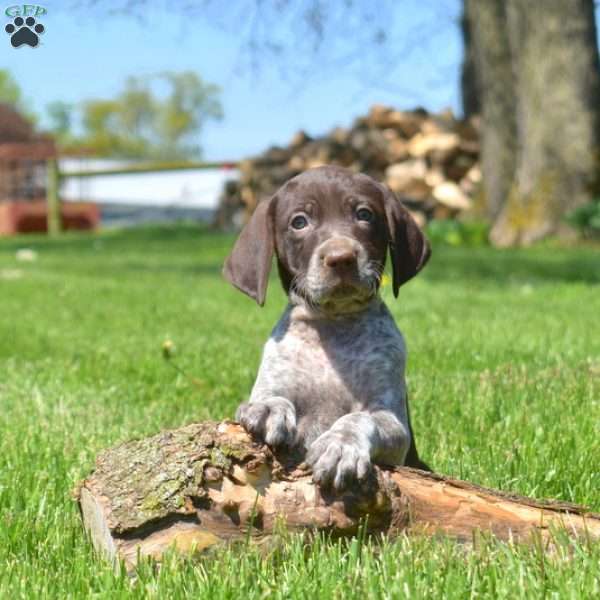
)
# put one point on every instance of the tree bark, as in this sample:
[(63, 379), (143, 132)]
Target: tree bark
[(493, 76), (469, 85), (555, 60), (208, 483), (538, 76)]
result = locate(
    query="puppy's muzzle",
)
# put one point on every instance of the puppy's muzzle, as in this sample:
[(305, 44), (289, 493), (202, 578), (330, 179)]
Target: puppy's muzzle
[(339, 256), (339, 279)]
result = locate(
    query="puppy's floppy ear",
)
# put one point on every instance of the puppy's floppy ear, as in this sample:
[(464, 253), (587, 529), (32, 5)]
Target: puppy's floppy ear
[(249, 264), (409, 248)]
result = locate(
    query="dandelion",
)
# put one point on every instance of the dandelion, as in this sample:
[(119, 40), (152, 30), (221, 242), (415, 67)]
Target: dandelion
[(168, 349), (385, 280)]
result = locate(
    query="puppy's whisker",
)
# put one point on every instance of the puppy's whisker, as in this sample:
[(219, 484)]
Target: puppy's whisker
[(374, 274), (377, 267), (299, 288)]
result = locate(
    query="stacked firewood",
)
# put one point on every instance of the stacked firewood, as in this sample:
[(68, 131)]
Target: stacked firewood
[(429, 160)]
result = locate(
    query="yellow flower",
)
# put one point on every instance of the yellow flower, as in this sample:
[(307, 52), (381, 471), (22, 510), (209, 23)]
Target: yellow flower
[(168, 349), (385, 280)]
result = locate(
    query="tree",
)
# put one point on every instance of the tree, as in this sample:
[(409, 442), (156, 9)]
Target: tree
[(10, 93), (60, 115), (530, 68), (488, 89), (182, 112), (537, 73), (141, 122), (103, 134)]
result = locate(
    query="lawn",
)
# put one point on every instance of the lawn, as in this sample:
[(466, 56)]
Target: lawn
[(504, 379)]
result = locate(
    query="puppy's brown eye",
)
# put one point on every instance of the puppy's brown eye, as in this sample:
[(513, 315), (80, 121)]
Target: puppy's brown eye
[(364, 214), (299, 222)]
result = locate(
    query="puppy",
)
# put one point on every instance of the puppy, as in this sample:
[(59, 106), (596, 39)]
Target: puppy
[(331, 381)]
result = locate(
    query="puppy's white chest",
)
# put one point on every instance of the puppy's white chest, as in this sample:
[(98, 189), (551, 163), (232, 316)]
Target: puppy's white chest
[(342, 364), (317, 362), (331, 368)]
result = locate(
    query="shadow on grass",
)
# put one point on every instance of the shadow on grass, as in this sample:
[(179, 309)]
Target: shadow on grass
[(132, 268), (116, 239), (174, 248), (578, 264), (448, 264)]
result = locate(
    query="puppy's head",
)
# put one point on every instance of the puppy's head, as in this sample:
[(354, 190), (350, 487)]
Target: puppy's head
[(330, 230)]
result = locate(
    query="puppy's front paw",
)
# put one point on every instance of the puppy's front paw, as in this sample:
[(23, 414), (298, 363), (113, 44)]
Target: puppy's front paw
[(339, 459), (272, 421)]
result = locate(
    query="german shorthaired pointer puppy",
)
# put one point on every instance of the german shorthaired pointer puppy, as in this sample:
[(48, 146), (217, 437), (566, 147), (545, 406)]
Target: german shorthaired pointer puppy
[(331, 381)]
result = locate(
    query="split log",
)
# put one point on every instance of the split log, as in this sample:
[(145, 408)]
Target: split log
[(209, 483)]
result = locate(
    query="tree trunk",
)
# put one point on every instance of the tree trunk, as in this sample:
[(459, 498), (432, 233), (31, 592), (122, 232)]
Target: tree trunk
[(536, 66), (489, 46), (555, 59), (209, 483), (469, 85)]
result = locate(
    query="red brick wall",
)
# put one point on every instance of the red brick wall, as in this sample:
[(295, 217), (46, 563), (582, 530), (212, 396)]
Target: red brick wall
[(29, 217)]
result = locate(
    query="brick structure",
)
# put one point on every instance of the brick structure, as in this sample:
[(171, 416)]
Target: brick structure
[(23, 159)]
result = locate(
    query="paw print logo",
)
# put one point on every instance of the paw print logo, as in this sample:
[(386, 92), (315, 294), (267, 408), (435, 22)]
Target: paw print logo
[(24, 31)]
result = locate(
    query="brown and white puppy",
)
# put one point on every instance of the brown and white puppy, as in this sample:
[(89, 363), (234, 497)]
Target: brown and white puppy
[(331, 380)]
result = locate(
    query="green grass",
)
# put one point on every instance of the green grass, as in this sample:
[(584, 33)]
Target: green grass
[(504, 378)]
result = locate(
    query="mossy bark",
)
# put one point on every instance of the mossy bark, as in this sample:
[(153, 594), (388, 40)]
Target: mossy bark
[(538, 77), (207, 484), (493, 76), (555, 59), (469, 84)]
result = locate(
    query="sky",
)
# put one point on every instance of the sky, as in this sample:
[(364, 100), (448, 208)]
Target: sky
[(88, 53)]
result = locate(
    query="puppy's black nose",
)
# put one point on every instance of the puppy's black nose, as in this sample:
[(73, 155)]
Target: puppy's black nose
[(340, 258)]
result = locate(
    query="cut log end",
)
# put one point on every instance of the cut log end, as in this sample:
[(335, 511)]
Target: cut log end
[(209, 483)]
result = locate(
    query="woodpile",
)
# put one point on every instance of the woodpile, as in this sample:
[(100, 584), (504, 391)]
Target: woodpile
[(430, 160)]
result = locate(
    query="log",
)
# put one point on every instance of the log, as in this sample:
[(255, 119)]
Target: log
[(209, 483)]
